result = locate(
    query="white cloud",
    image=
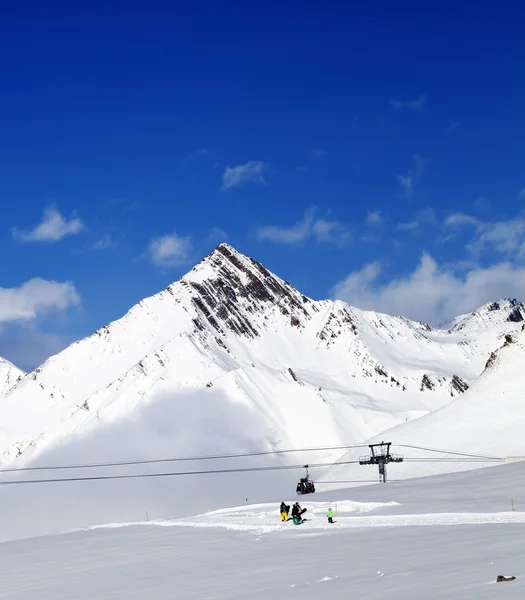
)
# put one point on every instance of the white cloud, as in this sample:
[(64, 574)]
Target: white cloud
[(34, 298), (103, 243), (309, 227), (427, 216), (374, 217), (522, 193), (460, 219), (408, 226), (53, 227), (505, 237), (431, 293), (408, 181), (482, 203), (250, 172), (415, 105), (502, 237), (169, 250)]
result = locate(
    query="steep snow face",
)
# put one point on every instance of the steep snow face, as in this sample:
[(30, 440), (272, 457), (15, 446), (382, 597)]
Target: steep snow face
[(488, 420), (313, 372), (9, 374)]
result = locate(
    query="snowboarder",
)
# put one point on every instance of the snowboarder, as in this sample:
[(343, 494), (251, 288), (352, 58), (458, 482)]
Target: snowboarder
[(284, 510), (330, 516), (297, 511)]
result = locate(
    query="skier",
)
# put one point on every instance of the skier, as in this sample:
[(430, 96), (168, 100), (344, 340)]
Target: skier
[(330, 515), (284, 510)]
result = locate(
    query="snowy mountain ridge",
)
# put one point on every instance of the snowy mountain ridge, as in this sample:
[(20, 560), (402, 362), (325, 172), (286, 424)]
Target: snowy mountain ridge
[(314, 372), (9, 374), (508, 309)]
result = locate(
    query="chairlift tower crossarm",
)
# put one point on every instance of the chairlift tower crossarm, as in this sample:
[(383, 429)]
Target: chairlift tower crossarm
[(380, 455)]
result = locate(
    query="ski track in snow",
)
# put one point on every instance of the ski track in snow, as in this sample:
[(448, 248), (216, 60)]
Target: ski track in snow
[(263, 521)]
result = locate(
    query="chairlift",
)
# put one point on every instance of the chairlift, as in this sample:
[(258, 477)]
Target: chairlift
[(305, 485)]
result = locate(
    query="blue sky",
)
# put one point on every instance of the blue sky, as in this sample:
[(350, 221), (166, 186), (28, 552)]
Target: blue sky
[(371, 151)]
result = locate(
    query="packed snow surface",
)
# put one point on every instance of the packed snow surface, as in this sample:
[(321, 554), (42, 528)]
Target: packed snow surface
[(438, 537)]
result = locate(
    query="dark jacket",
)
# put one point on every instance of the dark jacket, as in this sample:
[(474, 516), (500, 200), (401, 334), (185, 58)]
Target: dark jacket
[(284, 507), (295, 510)]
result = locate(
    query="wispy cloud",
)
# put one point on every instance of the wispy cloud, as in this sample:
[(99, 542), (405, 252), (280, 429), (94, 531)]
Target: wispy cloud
[(427, 216), (35, 298), (170, 250), (504, 237), (53, 228), (250, 172), (415, 105), (374, 217), (522, 194), (452, 127), (200, 153), (482, 203), (462, 219), (318, 153), (103, 243), (308, 228), (217, 236), (408, 181)]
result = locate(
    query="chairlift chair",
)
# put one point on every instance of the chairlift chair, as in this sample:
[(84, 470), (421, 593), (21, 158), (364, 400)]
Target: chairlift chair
[(305, 485)]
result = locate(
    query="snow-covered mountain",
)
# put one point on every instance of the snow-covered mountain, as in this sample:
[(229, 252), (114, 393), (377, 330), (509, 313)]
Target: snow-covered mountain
[(493, 313), (9, 374), (488, 420), (311, 372)]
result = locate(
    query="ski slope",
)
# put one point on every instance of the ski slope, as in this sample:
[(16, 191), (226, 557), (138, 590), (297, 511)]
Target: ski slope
[(440, 537)]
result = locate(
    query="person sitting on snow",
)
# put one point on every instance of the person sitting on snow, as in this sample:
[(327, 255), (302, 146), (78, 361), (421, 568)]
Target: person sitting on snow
[(297, 511), (284, 509)]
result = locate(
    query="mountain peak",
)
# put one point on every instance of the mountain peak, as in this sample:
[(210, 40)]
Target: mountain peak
[(232, 291), (506, 310)]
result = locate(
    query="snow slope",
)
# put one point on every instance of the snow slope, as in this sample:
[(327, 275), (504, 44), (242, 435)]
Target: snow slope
[(441, 537), (487, 420), (9, 375), (310, 372)]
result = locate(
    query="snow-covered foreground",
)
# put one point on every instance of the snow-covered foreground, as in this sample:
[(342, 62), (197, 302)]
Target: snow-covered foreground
[(439, 537)]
